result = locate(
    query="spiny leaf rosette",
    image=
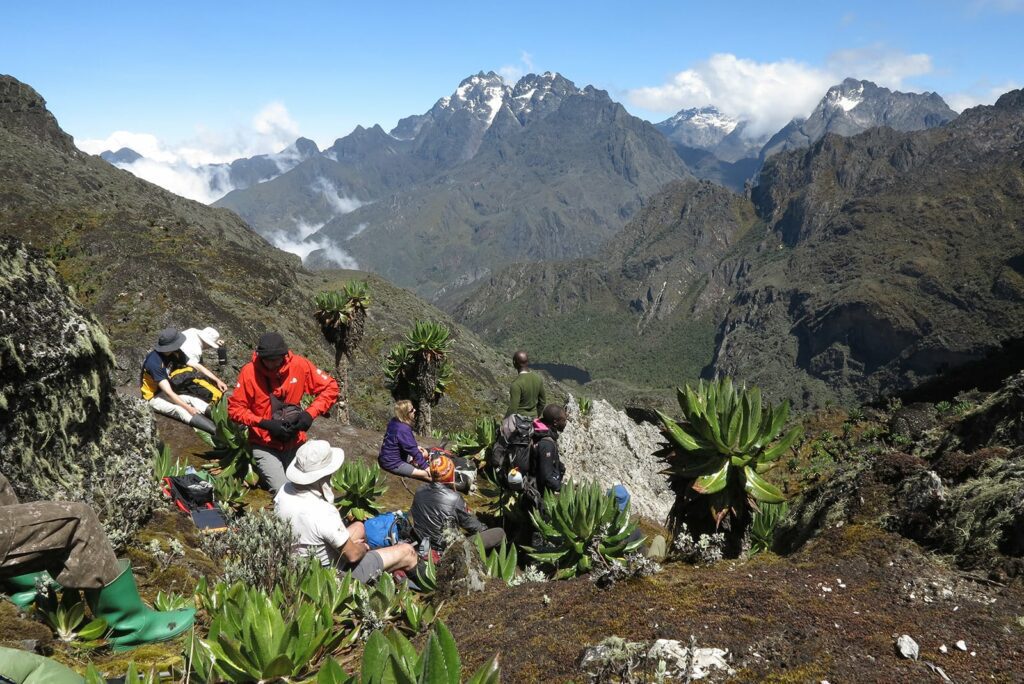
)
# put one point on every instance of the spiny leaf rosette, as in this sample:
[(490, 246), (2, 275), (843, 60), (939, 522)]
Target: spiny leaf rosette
[(361, 486), (716, 456), (342, 316), (582, 526), (418, 368)]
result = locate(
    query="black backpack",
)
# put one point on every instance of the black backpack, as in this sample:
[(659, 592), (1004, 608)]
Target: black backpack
[(514, 447)]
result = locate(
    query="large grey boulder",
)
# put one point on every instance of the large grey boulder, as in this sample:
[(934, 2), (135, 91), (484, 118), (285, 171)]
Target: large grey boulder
[(65, 434), (607, 446)]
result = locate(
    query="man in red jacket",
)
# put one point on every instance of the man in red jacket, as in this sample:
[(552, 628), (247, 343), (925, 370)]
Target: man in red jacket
[(267, 399)]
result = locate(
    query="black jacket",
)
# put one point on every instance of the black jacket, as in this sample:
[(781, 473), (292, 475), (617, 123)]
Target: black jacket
[(549, 470), (435, 507)]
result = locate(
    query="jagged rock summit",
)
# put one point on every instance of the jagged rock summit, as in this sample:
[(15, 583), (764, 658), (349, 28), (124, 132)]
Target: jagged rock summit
[(24, 110), (855, 106)]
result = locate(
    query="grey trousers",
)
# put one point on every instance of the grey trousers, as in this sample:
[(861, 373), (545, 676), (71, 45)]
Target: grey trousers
[(271, 464), (63, 537)]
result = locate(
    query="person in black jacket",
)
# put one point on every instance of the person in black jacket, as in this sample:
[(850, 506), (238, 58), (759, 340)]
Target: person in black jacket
[(436, 507), (549, 469)]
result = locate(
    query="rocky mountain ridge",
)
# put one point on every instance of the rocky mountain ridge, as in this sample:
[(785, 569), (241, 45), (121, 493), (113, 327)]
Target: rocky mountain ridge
[(140, 258), (869, 265)]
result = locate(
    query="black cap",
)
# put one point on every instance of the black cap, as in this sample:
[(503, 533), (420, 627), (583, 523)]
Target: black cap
[(271, 344)]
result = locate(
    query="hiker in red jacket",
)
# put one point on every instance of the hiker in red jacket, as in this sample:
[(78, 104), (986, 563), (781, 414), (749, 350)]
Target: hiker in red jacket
[(267, 399)]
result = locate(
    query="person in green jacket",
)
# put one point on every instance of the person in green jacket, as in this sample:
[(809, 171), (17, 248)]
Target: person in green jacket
[(526, 395)]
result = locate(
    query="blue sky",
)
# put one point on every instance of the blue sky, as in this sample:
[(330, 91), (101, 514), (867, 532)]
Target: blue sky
[(211, 80)]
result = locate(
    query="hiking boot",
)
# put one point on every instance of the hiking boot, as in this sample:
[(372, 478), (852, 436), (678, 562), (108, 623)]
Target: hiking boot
[(201, 422), (22, 588), (131, 621)]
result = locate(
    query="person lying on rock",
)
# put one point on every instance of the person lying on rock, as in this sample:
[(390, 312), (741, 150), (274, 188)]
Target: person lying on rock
[(399, 453), (195, 342), (266, 399), (155, 383), (437, 507), (65, 540), (306, 502)]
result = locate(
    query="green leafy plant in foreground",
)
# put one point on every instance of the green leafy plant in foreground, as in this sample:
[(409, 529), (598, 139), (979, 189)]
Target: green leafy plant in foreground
[(478, 443), (230, 445), (171, 601), (391, 657), (165, 464), (584, 404), (762, 528), (256, 636), (718, 452), (66, 617), (360, 486), (502, 562), (582, 526)]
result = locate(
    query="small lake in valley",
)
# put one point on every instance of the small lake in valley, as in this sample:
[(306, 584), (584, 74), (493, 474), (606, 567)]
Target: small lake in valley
[(563, 371)]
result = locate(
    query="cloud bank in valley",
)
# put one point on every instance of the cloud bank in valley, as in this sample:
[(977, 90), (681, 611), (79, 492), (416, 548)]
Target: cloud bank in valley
[(771, 94), (185, 168), (299, 238)]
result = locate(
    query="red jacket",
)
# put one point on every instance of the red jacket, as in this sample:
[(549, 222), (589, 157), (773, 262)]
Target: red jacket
[(250, 402)]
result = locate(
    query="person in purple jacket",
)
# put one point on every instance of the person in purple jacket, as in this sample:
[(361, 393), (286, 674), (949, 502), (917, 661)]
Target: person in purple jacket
[(400, 454)]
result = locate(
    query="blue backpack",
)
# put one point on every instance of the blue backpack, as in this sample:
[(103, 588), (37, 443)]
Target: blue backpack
[(385, 529)]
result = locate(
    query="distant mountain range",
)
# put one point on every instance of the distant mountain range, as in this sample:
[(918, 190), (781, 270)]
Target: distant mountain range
[(860, 267), (496, 173)]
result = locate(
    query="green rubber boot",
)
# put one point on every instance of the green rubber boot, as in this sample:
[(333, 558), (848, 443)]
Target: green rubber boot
[(131, 621), (22, 588)]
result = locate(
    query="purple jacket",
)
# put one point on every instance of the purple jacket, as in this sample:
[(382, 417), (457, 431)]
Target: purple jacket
[(400, 447)]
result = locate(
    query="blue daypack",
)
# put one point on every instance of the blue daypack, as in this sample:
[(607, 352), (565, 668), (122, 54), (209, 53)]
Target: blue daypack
[(385, 529)]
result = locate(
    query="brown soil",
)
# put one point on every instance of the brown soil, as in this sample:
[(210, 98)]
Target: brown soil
[(781, 619)]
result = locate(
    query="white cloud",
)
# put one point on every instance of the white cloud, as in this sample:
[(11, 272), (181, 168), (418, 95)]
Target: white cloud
[(182, 167), (770, 94), (510, 73), (359, 229), (340, 204), (296, 241), (979, 94)]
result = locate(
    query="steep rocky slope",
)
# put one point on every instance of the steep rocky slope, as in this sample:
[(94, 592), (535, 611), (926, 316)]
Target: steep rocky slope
[(140, 258), (862, 266), (645, 309)]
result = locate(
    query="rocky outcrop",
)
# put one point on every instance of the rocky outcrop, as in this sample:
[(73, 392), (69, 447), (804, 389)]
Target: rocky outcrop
[(961, 492), (606, 446), (64, 432)]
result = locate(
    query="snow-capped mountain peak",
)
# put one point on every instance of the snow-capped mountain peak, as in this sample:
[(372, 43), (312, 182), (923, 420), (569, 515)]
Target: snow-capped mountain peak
[(482, 94), (845, 96), (709, 117)]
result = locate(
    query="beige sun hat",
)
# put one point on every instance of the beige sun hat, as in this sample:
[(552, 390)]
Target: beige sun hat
[(313, 460), (211, 337)]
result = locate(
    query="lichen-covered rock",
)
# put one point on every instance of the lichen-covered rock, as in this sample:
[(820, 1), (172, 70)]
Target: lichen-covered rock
[(607, 446), (460, 571), (964, 497), (64, 432)]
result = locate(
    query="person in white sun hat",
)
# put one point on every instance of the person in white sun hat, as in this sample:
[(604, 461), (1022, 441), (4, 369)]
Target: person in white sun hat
[(306, 502), (195, 342)]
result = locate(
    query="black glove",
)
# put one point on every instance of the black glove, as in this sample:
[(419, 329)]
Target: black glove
[(279, 430), (302, 421)]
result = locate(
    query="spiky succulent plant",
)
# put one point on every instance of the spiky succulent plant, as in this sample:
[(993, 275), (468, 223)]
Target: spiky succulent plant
[(359, 486), (582, 526), (717, 453)]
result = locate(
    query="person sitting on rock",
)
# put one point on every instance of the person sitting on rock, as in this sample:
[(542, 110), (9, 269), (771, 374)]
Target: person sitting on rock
[(266, 399), (195, 342), (306, 502), (437, 507), (155, 384), (399, 453), (65, 540)]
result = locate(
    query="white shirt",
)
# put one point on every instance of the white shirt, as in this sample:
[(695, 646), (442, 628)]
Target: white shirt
[(315, 522), (192, 347)]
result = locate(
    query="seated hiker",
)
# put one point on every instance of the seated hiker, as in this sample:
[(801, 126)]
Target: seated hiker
[(195, 342), (266, 399), (436, 507), (156, 387), (307, 503), (399, 453), (66, 540)]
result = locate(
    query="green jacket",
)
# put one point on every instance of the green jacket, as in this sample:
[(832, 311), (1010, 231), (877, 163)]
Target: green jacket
[(526, 395)]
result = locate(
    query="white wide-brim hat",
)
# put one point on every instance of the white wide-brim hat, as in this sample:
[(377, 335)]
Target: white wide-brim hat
[(211, 337), (314, 459)]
